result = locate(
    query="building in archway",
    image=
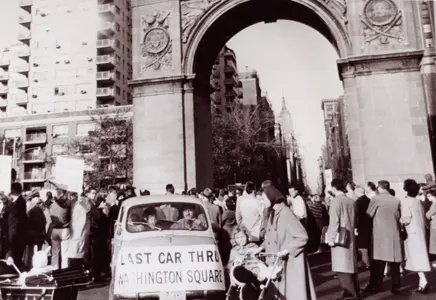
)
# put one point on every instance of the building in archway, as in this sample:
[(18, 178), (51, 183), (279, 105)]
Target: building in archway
[(337, 151), (225, 82), (386, 64)]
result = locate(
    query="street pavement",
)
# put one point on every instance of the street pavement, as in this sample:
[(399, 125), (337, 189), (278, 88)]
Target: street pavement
[(327, 287)]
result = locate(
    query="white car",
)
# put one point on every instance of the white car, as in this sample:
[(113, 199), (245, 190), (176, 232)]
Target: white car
[(164, 248)]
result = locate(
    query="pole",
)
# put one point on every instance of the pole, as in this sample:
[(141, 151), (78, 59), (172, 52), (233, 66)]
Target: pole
[(4, 146)]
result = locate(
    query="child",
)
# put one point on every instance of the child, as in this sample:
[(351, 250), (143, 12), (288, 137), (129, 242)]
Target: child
[(243, 256)]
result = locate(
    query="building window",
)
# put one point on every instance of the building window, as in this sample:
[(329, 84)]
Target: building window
[(118, 90), (118, 75), (61, 90), (117, 43), (60, 130), (117, 27), (84, 128), (117, 9)]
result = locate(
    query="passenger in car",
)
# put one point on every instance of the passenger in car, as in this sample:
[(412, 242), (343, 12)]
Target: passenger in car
[(189, 222), (151, 220), (135, 223)]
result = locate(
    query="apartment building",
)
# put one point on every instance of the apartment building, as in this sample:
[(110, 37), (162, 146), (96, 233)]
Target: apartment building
[(337, 158), (35, 140), (71, 55), (225, 82)]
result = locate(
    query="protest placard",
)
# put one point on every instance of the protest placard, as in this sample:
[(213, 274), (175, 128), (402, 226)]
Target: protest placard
[(69, 173), (5, 173)]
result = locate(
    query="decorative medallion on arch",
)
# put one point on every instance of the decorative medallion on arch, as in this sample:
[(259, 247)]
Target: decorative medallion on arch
[(192, 11), (382, 23), (156, 46)]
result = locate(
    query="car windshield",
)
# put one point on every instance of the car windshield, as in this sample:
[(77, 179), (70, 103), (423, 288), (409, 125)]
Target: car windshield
[(166, 216)]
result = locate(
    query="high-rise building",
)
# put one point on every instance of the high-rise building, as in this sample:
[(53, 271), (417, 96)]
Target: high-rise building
[(225, 81), (337, 157), (251, 91), (72, 55), (72, 62)]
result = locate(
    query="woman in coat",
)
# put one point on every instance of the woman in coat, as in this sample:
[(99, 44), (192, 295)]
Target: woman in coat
[(286, 236), (412, 217), (431, 216)]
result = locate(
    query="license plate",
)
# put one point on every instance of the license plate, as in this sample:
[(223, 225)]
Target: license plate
[(172, 295)]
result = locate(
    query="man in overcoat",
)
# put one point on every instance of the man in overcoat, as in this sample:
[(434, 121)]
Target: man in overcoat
[(17, 225), (364, 226), (344, 258), (385, 211)]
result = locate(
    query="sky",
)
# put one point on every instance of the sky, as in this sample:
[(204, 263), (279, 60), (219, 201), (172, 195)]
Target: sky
[(292, 60), (295, 61)]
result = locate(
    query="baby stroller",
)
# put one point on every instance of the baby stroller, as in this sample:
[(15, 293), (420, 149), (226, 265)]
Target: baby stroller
[(245, 285)]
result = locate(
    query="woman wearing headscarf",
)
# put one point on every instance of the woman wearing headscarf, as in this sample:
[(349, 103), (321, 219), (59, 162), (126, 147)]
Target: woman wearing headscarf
[(286, 236)]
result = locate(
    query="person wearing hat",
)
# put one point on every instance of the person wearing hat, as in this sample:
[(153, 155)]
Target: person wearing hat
[(37, 233)]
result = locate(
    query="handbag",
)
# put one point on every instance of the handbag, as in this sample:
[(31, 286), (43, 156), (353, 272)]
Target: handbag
[(342, 238), (403, 233)]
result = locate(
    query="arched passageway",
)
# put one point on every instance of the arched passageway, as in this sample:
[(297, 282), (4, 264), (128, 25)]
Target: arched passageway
[(175, 44)]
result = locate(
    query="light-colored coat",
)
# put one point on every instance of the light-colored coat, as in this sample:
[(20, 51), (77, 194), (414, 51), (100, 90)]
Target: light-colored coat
[(286, 232), (415, 246), (342, 214), (431, 215), (385, 211)]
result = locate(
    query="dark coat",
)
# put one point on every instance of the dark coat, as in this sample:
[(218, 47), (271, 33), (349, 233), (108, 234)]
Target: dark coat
[(385, 211), (364, 223), (37, 222), (17, 227), (4, 232)]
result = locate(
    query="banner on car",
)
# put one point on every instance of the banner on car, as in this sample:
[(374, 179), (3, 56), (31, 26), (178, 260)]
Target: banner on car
[(175, 268)]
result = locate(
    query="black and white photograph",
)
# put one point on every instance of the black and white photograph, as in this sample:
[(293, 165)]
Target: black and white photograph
[(217, 149)]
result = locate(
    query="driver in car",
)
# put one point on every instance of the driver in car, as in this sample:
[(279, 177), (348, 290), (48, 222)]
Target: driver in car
[(150, 219), (188, 222)]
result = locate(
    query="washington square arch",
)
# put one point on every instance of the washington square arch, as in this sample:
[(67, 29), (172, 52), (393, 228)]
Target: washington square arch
[(386, 64)]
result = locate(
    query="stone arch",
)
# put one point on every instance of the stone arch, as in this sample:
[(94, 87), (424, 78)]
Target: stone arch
[(328, 20)]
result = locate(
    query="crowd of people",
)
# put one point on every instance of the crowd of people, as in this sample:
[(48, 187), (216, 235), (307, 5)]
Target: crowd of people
[(363, 227)]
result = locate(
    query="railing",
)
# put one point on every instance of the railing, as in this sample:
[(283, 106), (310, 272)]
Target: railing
[(18, 98), (108, 26), (24, 35), (3, 102), (105, 43), (106, 8), (25, 18), (4, 76), (20, 83), (37, 155), (4, 89), (36, 137), (4, 61), (105, 75), (35, 174), (21, 69), (105, 92), (105, 59), (23, 52)]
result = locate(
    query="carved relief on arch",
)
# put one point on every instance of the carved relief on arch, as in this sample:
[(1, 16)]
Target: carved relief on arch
[(156, 45), (192, 11), (382, 22)]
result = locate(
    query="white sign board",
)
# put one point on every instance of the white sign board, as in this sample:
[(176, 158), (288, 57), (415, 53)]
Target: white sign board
[(162, 269), (5, 173), (69, 172), (328, 177)]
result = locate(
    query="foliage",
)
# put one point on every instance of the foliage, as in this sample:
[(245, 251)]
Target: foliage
[(243, 145), (107, 151)]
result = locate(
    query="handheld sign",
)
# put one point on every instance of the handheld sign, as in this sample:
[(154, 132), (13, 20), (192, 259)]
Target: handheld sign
[(5, 173), (69, 172), (168, 269)]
